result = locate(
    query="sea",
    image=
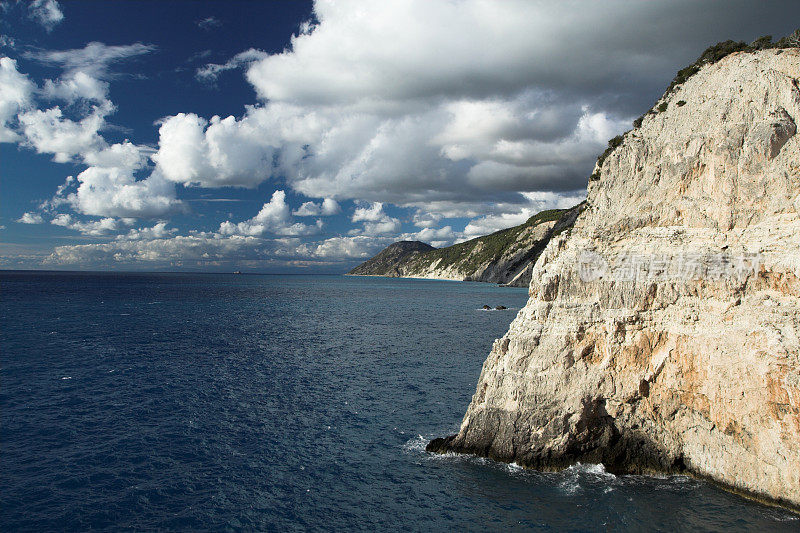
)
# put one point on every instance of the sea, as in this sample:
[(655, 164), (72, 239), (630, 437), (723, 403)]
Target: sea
[(283, 403)]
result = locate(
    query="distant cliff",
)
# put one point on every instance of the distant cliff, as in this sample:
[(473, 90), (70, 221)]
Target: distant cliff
[(662, 334), (506, 256), (391, 260)]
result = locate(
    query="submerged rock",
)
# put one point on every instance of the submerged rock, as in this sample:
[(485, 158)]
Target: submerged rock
[(663, 333)]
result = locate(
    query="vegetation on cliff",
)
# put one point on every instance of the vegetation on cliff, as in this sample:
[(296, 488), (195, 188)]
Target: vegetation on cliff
[(471, 255), (386, 262), (497, 257), (710, 55)]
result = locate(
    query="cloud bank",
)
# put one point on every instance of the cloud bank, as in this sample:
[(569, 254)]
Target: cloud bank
[(415, 113), (415, 102)]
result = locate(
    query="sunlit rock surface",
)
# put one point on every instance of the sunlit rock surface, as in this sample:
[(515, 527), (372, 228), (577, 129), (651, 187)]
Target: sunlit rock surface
[(661, 333)]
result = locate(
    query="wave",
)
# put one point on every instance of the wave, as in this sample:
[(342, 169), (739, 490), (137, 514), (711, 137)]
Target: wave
[(416, 444), (581, 475)]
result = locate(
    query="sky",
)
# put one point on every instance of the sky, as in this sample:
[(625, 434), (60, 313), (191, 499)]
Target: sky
[(292, 137)]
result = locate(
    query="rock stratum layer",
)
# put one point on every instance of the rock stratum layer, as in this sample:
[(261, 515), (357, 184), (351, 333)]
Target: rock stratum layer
[(505, 257), (661, 333)]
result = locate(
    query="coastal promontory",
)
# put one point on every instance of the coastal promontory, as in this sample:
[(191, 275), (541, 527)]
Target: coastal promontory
[(662, 333), (505, 257)]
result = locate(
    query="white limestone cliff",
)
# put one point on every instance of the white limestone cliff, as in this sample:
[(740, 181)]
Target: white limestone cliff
[(662, 333)]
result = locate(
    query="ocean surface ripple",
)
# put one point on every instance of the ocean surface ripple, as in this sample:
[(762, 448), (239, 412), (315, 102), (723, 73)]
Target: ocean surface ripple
[(242, 402)]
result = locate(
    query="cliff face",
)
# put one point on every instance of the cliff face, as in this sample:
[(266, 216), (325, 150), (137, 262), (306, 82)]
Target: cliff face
[(505, 256), (663, 333)]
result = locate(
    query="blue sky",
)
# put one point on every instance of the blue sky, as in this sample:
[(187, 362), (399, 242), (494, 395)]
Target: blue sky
[(291, 136)]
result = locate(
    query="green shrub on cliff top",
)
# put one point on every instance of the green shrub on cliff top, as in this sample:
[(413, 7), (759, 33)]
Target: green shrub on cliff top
[(710, 55), (714, 53)]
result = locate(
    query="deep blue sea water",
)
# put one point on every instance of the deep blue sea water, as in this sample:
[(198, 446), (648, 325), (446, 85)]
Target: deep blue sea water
[(243, 402)]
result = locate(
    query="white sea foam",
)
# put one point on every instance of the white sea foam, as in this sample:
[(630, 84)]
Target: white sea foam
[(575, 476), (780, 516), (570, 486), (415, 445), (590, 468)]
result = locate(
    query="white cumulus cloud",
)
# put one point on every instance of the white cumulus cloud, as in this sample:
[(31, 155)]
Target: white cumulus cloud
[(125, 154), (179, 249), (224, 152), (79, 85), (372, 213), (15, 95), (376, 103), (376, 221), (275, 218), (92, 227), (50, 132), (343, 248), (157, 231), (115, 192), (108, 188), (30, 218), (438, 237), (328, 207)]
